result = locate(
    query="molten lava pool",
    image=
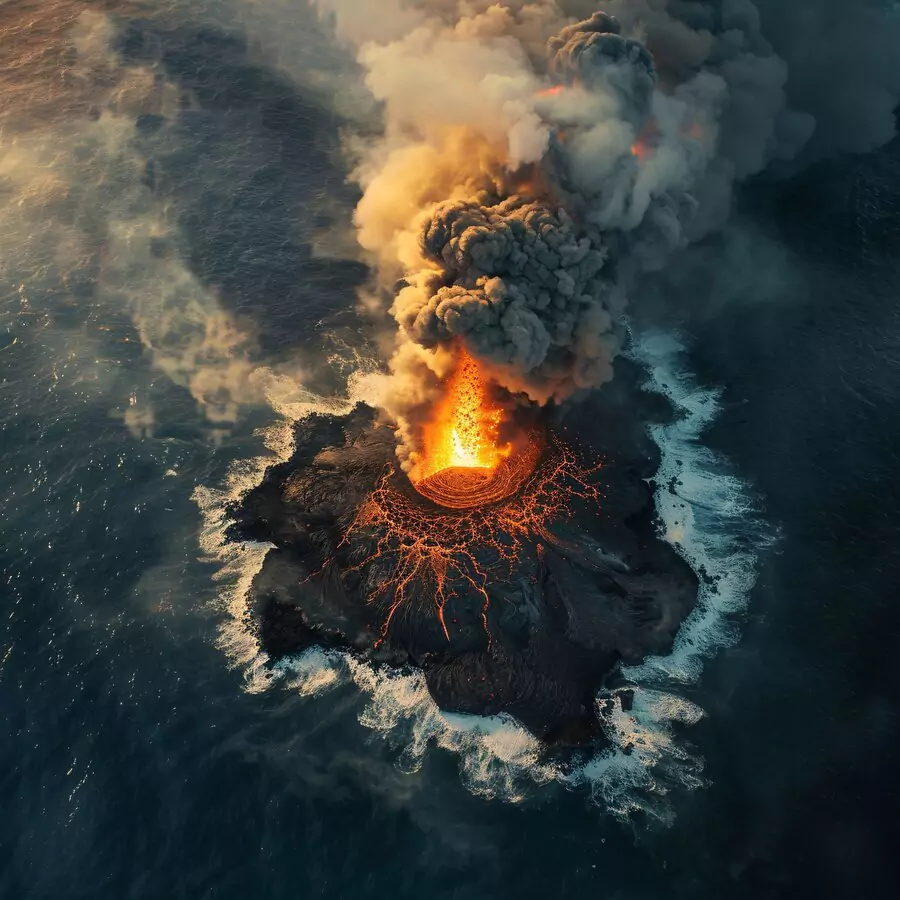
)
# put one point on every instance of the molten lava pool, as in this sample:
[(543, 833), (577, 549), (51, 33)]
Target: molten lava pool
[(462, 487)]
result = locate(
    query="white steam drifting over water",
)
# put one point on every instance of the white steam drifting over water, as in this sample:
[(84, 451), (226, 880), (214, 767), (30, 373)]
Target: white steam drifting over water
[(705, 511)]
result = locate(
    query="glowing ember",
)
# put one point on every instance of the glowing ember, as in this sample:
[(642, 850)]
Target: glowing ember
[(640, 151), (552, 91)]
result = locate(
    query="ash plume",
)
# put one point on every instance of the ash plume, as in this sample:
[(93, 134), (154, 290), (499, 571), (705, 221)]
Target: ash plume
[(539, 155), (526, 293)]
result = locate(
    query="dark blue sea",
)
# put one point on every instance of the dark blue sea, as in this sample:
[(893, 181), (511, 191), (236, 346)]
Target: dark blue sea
[(178, 280)]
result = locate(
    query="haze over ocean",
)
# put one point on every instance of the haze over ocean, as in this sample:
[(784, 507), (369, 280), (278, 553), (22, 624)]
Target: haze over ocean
[(180, 279)]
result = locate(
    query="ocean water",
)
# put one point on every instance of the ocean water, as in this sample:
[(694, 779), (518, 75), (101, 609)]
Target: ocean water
[(178, 284)]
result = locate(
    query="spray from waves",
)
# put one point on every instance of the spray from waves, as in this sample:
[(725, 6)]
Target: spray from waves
[(498, 758), (710, 518)]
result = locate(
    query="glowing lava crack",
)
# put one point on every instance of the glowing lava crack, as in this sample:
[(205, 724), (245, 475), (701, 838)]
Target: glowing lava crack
[(476, 543)]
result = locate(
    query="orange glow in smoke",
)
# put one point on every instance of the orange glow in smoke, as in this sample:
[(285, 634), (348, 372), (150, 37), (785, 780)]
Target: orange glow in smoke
[(552, 91), (694, 131), (464, 431), (647, 141)]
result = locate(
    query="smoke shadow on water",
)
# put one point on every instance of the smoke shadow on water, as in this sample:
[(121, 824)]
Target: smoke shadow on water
[(252, 168)]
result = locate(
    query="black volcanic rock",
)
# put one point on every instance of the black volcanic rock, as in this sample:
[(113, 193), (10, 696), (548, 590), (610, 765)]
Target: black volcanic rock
[(594, 589)]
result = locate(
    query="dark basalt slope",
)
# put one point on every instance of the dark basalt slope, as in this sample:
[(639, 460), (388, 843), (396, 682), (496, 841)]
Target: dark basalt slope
[(590, 592)]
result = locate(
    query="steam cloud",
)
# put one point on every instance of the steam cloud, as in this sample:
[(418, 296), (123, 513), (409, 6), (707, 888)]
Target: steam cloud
[(539, 155)]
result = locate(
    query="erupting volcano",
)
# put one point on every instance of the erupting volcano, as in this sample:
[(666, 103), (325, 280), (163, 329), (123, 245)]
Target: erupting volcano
[(464, 432), (456, 528)]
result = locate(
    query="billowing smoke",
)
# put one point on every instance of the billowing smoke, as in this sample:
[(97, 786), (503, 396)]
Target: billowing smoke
[(522, 286), (539, 155)]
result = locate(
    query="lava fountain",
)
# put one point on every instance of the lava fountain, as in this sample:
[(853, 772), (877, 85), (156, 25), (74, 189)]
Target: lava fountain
[(464, 462)]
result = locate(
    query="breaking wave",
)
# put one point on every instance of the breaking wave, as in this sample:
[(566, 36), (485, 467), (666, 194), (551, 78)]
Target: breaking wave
[(707, 512)]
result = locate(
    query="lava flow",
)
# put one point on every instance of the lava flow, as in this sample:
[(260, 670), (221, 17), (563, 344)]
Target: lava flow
[(441, 555), (499, 502)]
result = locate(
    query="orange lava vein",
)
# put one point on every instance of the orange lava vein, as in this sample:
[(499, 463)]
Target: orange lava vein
[(431, 554)]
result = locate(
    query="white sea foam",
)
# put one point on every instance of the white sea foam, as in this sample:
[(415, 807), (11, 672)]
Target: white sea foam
[(239, 563), (645, 758), (710, 516), (705, 511), (312, 673)]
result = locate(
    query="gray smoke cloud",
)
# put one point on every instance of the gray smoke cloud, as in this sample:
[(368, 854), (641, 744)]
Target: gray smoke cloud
[(539, 155), (527, 294), (843, 69), (594, 53)]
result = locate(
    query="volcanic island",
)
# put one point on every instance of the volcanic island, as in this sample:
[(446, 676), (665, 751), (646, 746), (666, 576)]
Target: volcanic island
[(515, 567)]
